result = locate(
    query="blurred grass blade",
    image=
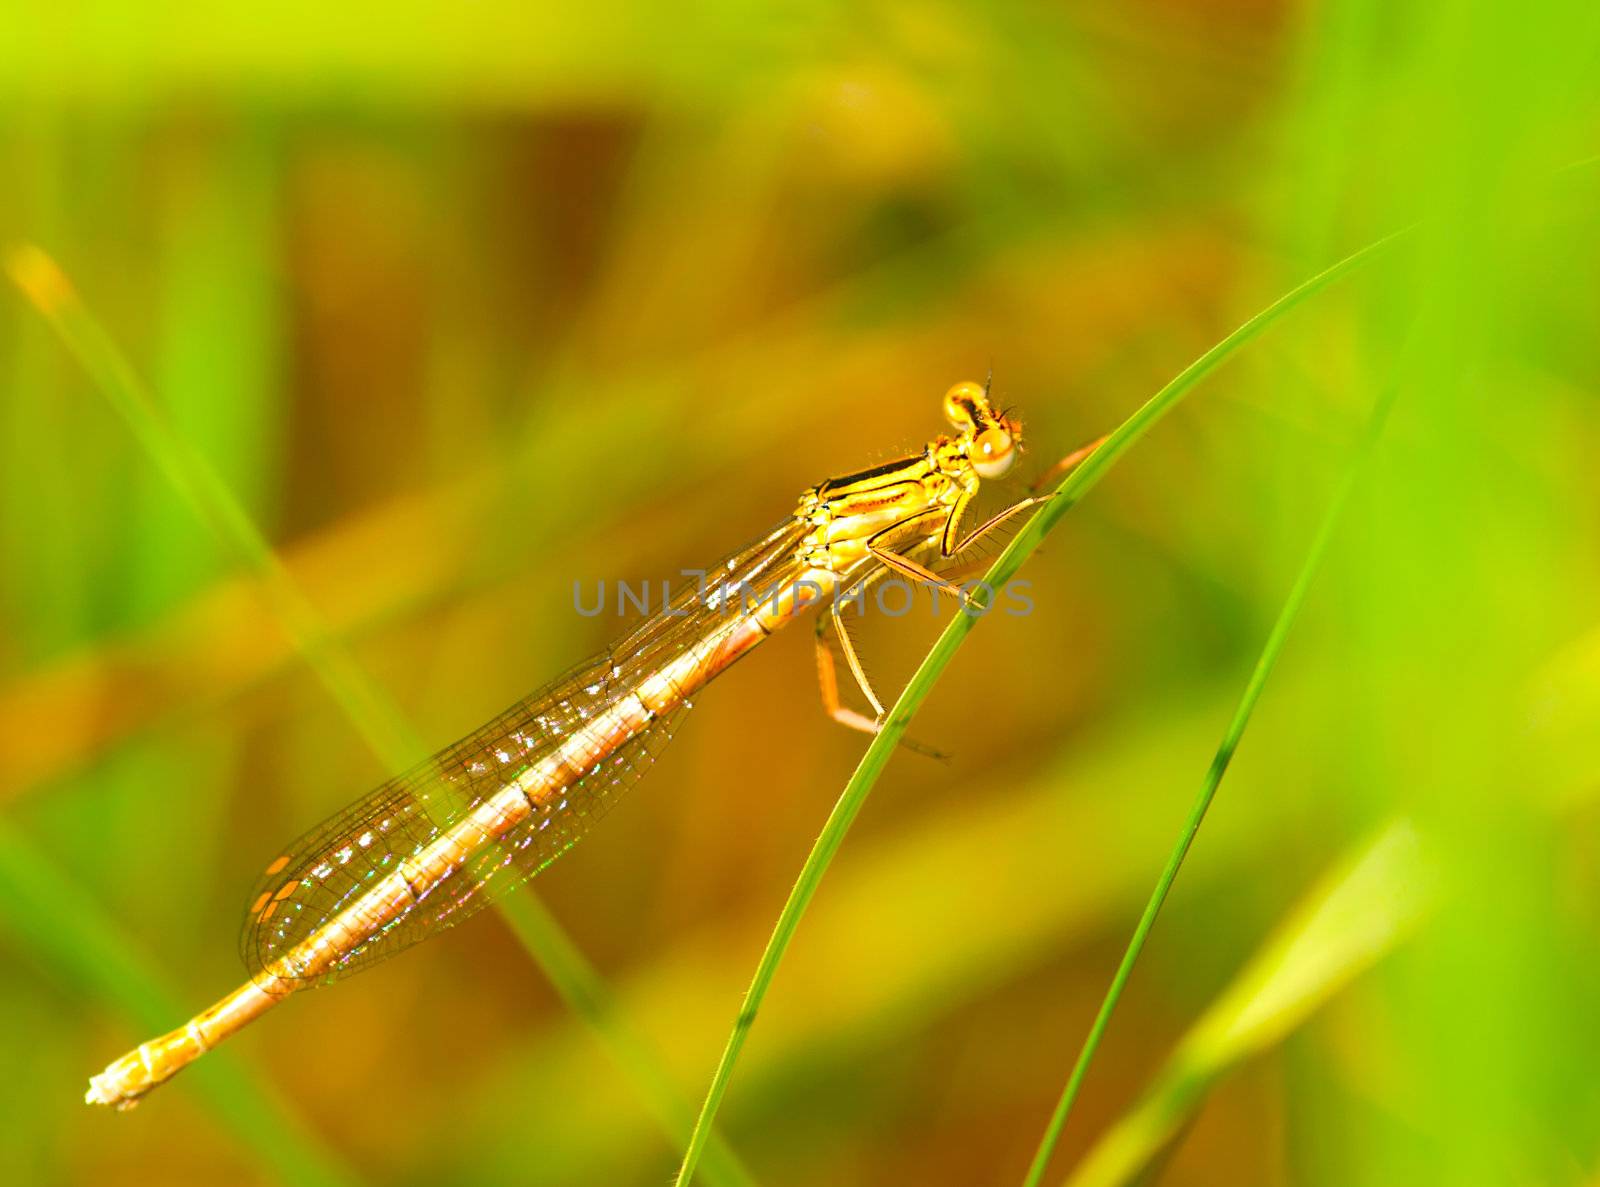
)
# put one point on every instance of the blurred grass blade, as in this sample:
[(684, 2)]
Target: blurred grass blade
[(192, 476), (1073, 487), (1356, 916), (1270, 651), (589, 997), (64, 927), (374, 714)]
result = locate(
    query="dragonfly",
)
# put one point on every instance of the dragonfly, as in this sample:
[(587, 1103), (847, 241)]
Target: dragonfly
[(434, 845)]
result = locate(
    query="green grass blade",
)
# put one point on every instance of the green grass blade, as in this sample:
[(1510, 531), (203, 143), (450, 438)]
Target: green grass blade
[(192, 476), (374, 714), (1358, 915), (64, 927), (591, 998), (872, 763), (1270, 652)]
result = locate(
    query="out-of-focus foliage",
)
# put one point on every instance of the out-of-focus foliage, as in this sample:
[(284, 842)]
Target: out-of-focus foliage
[(467, 304)]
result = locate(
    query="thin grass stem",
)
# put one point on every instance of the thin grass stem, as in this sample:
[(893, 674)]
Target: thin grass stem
[(1270, 652)]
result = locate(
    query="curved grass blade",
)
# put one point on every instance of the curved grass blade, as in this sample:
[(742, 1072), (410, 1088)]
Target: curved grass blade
[(374, 714), (1268, 659), (1356, 916), (1022, 545)]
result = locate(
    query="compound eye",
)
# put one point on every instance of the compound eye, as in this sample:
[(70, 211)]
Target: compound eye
[(961, 404), (992, 453)]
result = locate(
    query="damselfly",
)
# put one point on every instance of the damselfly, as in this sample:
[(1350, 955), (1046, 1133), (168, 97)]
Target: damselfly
[(432, 846)]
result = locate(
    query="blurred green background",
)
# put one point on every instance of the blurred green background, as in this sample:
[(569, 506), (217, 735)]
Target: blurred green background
[(467, 303)]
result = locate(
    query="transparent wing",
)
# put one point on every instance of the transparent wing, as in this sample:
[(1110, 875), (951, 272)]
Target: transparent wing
[(328, 873)]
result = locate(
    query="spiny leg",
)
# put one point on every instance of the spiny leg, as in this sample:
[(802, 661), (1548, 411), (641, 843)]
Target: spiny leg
[(907, 567), (949, 547), (851, 586), (952, 523), (859, 578), (994, 521), (828, 679), (920, 572), (974, 566), (1075, 458), (828, 673)]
